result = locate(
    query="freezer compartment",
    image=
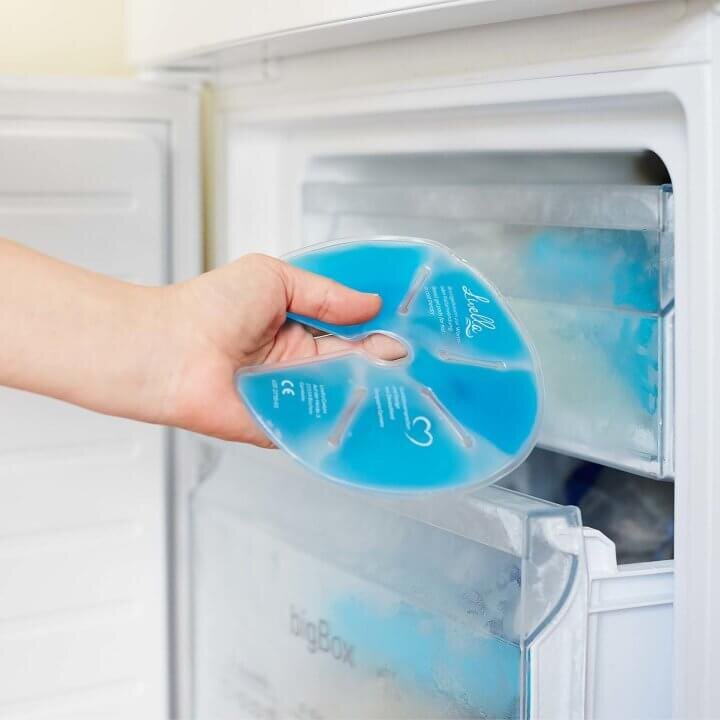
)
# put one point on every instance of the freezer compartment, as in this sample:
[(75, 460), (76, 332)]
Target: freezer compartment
[(314, 601), (582, 248), (636, 513)]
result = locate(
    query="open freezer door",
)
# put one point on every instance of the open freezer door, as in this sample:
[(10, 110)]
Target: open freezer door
[(104, 175)]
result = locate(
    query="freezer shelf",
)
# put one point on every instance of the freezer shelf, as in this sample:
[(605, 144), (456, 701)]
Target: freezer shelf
[(604, 375), (588, 269), (314, 601)]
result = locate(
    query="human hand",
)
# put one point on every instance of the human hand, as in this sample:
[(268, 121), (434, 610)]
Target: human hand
[(234, 317), (165, 355)]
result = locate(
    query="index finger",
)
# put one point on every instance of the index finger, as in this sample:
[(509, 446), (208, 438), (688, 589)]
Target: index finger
[(319, 297)]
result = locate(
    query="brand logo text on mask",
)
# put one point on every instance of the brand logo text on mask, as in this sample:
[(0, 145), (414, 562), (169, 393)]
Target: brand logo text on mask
[(476, 321)]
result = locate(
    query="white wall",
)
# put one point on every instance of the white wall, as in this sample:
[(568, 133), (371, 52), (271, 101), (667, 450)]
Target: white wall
[(62, 37), (165, 29)]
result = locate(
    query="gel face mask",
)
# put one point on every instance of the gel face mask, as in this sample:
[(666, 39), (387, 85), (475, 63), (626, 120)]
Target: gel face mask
[(462, 408)]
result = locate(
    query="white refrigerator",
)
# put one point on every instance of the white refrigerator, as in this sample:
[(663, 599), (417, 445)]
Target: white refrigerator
[(571, 153)]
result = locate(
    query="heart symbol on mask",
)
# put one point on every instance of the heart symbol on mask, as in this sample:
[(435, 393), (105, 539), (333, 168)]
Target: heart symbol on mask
[(426, 437)]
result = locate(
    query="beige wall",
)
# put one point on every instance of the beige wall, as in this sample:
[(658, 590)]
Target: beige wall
[(62, 37)]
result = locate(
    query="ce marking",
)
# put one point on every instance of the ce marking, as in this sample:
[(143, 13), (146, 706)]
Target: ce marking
[(288, 387)]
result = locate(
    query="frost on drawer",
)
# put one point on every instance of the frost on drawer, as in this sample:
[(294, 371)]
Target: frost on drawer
[(582, 249), (312, 601)]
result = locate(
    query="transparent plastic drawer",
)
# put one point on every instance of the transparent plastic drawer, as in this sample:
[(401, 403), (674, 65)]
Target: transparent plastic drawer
[(314, 601), (588, 269)]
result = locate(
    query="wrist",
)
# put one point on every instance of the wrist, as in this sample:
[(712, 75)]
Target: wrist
[(179, 354), (161, 332)]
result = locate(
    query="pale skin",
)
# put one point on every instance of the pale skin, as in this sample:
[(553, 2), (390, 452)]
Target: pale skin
[(168, 354)]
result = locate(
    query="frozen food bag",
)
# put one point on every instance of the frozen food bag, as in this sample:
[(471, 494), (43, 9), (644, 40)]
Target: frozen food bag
[(462, 408)]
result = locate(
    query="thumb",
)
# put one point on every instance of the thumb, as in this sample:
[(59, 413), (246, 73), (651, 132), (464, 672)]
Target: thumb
[(319, 297)]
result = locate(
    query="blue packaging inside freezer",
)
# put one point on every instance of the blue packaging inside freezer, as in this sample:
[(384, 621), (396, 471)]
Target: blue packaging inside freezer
[(462, 408)]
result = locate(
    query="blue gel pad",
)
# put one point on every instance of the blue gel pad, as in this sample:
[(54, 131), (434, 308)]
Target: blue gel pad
[(462, 408)]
